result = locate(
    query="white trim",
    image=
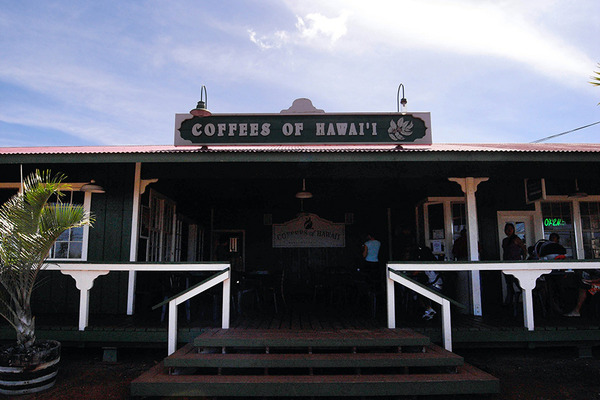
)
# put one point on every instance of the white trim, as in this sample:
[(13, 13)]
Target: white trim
[(87, 205), (577, 228), (469, 187), (134, 242)]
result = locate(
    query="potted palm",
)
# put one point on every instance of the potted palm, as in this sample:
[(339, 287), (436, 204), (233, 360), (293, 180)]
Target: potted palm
[(29, 227)]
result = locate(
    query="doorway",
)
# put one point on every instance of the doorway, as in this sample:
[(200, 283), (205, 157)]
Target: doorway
[(230, 245), (524, 227)]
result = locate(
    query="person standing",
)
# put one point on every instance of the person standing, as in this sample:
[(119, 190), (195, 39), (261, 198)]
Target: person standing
[(371, 250), (513, 249), (375, 274), (460, 250)]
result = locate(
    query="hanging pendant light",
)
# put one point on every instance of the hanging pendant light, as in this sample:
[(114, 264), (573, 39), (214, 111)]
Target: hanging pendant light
[(92, 187), (304, 194)]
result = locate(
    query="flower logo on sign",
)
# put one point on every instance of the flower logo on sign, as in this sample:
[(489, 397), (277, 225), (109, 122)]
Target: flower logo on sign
[(400, 130)]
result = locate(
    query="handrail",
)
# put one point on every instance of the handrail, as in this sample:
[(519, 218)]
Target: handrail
[(86, 273), (428, 289), (526, 272), (439, 298), (185, 291), (189, 293)]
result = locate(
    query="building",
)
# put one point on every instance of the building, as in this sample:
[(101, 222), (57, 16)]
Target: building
[(297, 191)]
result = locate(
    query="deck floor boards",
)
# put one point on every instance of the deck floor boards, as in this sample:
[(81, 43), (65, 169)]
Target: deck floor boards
[(147, 329)]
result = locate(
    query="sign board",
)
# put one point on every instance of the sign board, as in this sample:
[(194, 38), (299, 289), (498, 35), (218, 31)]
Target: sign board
[(309, 230), (292, 129), (535, 189)]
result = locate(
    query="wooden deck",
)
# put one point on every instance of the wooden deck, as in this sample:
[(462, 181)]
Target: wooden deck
[(467, 331)]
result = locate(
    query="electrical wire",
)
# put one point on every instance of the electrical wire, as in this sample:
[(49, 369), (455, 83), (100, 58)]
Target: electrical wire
[(564, 133)]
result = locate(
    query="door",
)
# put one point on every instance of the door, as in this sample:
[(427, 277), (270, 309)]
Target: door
[(229, 245), (523, 222)]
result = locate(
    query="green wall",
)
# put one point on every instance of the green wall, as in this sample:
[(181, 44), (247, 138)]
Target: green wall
[(108, 241)]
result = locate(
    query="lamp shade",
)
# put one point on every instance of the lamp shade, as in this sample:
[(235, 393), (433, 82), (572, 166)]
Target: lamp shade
[(92, 187), (303, 194)]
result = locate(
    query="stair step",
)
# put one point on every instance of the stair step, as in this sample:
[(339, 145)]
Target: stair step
[(467, 380), (248, 338), (433, 356)]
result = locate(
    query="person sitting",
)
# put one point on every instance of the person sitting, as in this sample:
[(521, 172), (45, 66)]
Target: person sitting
[(552, 286), (552, 249), (590, 283), (431, 279)]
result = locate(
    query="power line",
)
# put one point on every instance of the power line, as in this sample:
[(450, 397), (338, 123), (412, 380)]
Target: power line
[(564, 133)]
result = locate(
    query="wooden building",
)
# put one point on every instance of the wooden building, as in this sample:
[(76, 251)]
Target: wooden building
[(229, 190)]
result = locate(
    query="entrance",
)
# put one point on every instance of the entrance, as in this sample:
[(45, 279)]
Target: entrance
[(524, 228), (523, 222), (229, 245)]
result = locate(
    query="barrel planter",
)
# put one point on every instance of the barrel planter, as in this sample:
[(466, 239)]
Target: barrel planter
[(31, 371)]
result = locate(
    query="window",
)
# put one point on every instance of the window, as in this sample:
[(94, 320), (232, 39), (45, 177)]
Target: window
[(161, 236), (72, 244), (590, 225), (69, 245), (557, 217)]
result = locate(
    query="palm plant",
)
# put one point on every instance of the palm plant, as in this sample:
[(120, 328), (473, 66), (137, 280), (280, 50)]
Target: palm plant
[(596, 79), (29, 227)]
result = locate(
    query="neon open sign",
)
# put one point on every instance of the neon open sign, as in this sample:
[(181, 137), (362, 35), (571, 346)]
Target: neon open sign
[(554, 222)]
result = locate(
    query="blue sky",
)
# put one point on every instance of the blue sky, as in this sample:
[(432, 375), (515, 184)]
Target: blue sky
[(117, 72)]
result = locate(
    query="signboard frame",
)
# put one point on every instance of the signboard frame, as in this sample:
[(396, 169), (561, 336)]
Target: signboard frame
[(535, 190), (300, 129)]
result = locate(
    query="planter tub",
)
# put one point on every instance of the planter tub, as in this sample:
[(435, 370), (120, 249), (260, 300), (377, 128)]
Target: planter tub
[(29, 373)]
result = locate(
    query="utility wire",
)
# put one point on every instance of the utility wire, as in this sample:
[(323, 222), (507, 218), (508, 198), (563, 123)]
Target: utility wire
[(564, 133)]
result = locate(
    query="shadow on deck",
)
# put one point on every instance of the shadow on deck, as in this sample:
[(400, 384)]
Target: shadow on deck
[(147, 330)]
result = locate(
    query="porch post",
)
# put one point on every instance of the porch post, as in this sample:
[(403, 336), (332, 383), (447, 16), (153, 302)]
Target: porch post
[(469, 187), (391, 299), (133, 246), (225, 312), (84, 281)]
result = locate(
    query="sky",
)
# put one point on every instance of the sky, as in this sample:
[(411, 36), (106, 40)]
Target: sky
[(116, 72)]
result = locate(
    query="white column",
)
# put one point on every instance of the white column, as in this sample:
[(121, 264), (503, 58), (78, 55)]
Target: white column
[(527, 280), (84, 281), (446, 325), (391, 300), (469, 187), (172, 334), (133, 246), (579, 250), (226, 301)]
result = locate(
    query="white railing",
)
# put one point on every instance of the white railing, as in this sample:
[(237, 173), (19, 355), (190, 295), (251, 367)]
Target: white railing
[(526, 272), (186, 295), (85, 274)]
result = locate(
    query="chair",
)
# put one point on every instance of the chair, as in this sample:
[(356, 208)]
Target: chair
[(245, 287), (272, 286)]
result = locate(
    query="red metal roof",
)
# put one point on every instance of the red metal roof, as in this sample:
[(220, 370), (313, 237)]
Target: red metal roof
[(442, 147)]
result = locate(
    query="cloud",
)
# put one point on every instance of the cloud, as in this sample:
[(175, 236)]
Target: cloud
[(313, 29), (316, 26), (471, 28), (265, 43)]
